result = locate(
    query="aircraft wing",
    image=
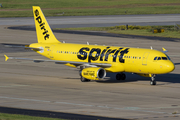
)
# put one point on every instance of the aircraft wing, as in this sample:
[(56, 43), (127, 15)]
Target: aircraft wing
[(103, 65)]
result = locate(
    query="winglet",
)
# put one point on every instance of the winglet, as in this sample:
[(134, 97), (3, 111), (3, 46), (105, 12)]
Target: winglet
[(164, 50), (6, 57)]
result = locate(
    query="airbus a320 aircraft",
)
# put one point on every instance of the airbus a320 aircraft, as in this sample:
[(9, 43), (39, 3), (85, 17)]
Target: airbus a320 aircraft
[(94, 60)]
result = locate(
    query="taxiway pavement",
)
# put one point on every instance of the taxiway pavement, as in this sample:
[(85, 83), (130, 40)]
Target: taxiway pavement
[(98, 21)]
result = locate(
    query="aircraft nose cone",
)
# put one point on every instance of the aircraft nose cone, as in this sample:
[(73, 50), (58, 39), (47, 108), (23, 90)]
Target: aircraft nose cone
[(170, 67)]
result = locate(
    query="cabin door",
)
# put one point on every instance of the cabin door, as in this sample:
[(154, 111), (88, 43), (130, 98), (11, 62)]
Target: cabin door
[(144, 59)]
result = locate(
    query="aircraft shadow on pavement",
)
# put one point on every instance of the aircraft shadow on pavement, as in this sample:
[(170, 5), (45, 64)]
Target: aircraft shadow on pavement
[(170, 77), (176, 63)]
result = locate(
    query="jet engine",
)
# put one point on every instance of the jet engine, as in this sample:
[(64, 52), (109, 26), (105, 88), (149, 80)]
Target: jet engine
[(93, 73)]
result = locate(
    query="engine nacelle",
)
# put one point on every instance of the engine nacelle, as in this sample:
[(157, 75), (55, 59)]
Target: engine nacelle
[(93, 73)]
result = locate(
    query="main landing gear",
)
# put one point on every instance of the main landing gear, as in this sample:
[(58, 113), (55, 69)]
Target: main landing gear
[(153, 81), (120, 76), (82, 78)]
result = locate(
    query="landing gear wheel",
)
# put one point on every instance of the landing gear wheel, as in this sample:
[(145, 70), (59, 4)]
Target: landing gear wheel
[(123, 76), (153, 81), (120, 76), (84, 79)]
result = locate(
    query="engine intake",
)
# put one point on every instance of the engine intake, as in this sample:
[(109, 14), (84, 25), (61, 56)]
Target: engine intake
[(93, 73)]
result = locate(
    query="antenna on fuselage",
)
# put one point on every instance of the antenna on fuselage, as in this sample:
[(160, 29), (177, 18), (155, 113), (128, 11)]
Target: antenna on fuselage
[(63, 41), (87, 43), (151, 47)]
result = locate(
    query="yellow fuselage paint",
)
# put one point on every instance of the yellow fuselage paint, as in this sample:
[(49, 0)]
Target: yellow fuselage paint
[(122, 59)]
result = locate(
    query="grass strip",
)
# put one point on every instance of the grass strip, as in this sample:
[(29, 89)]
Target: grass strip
[(170, 31), (23, 8), (5, 116)]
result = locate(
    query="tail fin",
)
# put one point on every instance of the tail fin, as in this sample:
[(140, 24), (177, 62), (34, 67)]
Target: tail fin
[(43, 30)]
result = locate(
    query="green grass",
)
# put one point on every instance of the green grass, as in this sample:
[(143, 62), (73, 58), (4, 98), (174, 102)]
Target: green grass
[(169, 34), (22, 8), (4, 116), (170, 31)]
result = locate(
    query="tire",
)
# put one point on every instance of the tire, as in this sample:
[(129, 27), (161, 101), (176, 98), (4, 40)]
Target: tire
[(123, 76), (153, 82), (84, 79), (118, 76)]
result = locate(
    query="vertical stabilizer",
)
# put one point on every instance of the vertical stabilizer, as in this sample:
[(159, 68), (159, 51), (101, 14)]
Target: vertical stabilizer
[(43, 30)]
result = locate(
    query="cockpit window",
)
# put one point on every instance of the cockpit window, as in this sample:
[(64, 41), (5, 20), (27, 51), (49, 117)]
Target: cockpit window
[(164, 58), (168, 57), (159, 58)]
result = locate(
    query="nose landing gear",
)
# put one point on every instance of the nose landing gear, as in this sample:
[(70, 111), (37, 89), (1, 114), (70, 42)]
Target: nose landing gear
[(153, 81)]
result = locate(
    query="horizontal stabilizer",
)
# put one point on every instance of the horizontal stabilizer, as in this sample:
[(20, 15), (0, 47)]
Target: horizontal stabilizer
[(21, 46)]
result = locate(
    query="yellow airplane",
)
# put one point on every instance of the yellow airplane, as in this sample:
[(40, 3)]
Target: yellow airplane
[(94, 60)]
